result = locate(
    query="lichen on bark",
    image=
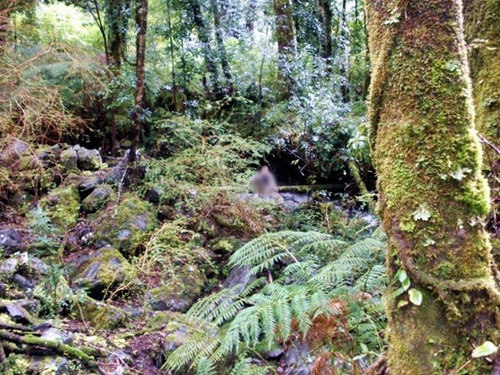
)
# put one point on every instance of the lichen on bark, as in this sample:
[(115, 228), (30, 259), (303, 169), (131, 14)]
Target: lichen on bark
[(432, 196)]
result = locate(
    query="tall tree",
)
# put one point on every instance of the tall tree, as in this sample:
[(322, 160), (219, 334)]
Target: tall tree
[(432, 196), (482, 26), (141, 20), (285, 36)]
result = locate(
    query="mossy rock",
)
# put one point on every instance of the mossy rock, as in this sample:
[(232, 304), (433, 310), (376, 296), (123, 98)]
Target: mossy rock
[(225, 245), (101, 315), (69, 159), (180, 293), (62, 205), (102, 270), (130, 225), (98, 198)]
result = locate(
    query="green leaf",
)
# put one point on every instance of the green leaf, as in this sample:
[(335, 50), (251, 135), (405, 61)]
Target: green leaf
[(406, 284), (415, 296), (397, 292), (488, 348), (402, 276), (402, 303)]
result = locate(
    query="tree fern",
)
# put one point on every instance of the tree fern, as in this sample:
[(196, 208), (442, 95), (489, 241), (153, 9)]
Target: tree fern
[(259, 316)]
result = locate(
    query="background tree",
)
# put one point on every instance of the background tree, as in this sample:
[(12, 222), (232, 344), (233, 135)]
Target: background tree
[(141, 19), (431, 191)]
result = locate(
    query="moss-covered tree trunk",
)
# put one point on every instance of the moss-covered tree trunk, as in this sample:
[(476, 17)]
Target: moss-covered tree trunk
[(432, 196), (482, 28)]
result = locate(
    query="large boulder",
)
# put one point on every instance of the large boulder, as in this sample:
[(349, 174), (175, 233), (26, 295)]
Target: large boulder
[(179, 293), (101, 271), (130, 225)]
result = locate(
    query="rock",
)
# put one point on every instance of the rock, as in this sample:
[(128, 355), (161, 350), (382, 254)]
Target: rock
[(47, 158), (17, 312), (297, 359), (101, 271), (10, 240), (180, 293), (54, 334), (239, 277), (129, 227), (88, 159), (23, 282), (8, 268), (69, 159), (13, 152), (89, 182), (49, 365), (62, 205), (101, 315), (98, 198)]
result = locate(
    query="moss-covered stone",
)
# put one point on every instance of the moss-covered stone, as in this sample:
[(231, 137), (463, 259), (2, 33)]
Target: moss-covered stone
[(129, 224), (98, 198), (102, 271), (180, 292), (432, 196), (101, 315), (62, 205), (69, 159)]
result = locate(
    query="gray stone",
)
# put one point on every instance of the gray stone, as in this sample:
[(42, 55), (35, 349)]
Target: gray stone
[(89, 183), (88, 159), (54, 334), (23, 282), (13, 151), (8, 268), (17, 312), (10, 240), (97, 199), (69, 159)]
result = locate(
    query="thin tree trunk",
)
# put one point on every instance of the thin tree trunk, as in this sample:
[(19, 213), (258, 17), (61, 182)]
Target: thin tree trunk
[(325, 11), (432, 196), (220, 46), (213, 87), (285, 36), (142, 23)]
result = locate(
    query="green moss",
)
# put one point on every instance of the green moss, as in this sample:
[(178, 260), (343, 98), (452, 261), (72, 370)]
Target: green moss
[(62, 205)]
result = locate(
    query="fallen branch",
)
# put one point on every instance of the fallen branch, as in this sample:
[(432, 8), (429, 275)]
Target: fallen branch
[(55, 346)]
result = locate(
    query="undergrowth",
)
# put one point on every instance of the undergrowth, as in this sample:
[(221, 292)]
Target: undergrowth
[(293, 297)]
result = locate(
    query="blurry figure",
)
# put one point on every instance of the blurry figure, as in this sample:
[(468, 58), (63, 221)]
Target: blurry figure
[(264, 183)]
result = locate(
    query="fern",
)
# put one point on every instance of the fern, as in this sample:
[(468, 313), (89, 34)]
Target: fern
[(260, 316)]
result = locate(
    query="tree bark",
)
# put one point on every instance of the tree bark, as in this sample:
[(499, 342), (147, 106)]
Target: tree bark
[(326, 16), (213, 87), (432, 196), (142, 24), (482, 27), (285, 36), (220, 46), (116, 31)]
